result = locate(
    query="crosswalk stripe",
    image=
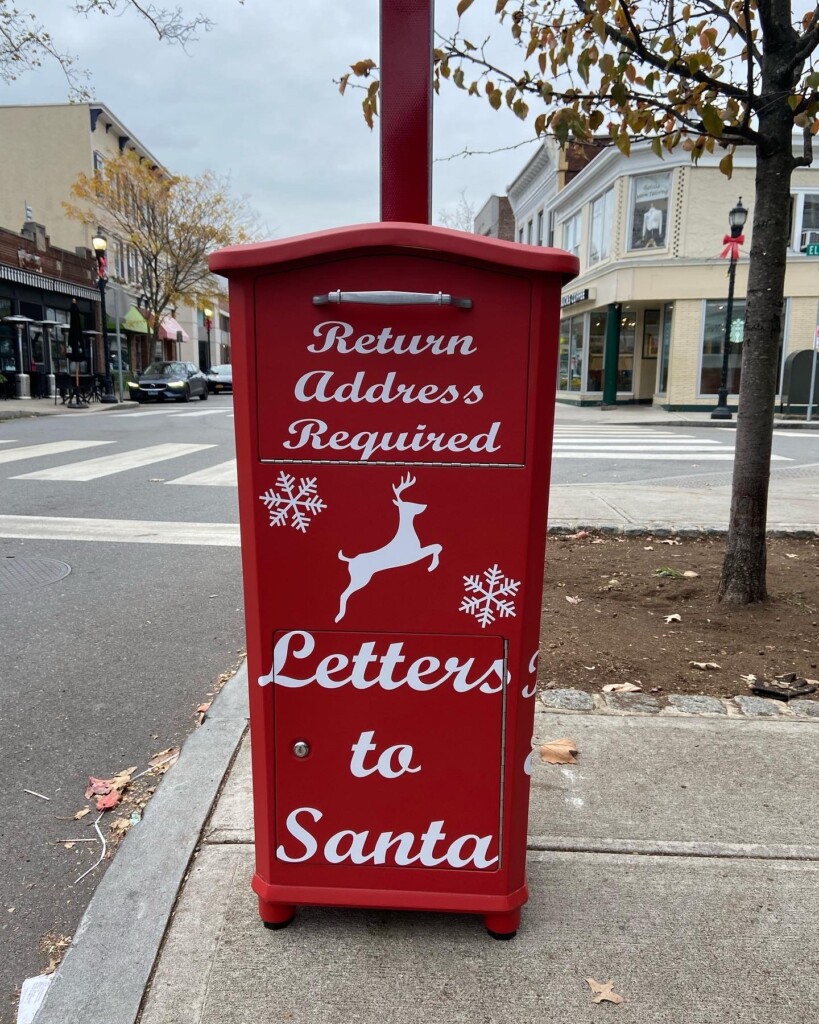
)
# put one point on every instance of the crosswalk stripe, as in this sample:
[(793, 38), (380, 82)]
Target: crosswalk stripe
[(35, 451), (92, 469), (222, 475), (119, 531), (202, 412), (625, 446), (655, 456), (564, 429)]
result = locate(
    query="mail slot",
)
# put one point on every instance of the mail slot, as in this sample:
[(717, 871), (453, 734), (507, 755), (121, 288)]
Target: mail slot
[(394, 394)]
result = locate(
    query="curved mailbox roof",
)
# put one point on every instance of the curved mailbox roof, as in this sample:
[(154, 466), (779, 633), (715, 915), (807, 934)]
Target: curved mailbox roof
[(363, 238)]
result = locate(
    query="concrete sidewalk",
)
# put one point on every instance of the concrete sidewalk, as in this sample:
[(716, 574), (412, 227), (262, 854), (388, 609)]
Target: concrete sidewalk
[(679, 858)]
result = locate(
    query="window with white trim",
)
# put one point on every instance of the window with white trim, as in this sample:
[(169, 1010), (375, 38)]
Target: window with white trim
[(649, 205), (806, 218), (600, 230), (571, 234)]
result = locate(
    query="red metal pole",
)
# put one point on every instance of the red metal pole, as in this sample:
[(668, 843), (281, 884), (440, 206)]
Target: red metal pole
[(406, 110)]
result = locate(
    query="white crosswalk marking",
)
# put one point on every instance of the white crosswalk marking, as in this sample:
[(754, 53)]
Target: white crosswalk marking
[(119, 531), (201, 412), (35, 451), (222, 475), (93, 469), (639, 444)]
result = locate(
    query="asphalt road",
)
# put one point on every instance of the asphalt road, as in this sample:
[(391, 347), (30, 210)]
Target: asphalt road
[(105, 667)]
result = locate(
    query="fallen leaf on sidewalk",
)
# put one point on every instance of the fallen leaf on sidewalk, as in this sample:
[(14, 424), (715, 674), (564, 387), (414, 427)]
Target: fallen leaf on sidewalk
[(705, 666), (97, 787), (164, 759), (621, 688), (673, 618), (82, 813), (119, 826), (201, 712), (559, 751), (574, 600), (109, 800), (603, 992)]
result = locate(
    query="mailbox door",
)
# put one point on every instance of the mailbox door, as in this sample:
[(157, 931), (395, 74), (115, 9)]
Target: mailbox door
[(388, 754)]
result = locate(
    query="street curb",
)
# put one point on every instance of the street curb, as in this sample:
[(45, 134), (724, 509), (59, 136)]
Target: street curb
[(564, 527), (31, 414), (106, 970)]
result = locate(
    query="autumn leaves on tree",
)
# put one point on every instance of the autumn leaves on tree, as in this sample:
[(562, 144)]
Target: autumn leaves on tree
[(170, 222)]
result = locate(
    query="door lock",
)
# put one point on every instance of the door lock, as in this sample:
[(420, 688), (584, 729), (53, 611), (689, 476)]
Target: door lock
[(301, 748)]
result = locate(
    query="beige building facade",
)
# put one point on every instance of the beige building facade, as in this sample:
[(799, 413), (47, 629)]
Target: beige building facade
[(649, 237), (45, 148)]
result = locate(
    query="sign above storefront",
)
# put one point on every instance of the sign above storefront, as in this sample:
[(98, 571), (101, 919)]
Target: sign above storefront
[(582, 295)]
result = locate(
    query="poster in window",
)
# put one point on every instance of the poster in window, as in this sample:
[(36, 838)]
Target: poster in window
[(650, 217)]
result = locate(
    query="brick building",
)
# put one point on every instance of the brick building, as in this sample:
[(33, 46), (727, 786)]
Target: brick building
[(38, 283)]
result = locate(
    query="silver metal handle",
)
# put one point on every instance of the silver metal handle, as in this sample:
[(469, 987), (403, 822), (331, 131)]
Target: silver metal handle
[(393, 299)]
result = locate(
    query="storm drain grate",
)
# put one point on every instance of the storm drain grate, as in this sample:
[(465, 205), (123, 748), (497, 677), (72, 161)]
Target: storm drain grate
[(18, 574)]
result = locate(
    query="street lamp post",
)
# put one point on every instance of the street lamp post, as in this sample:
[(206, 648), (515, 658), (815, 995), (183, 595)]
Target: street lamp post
[(736, 222), (208, 322), (100, 244)]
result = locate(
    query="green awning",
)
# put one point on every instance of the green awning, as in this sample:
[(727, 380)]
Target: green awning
[(132, 321)]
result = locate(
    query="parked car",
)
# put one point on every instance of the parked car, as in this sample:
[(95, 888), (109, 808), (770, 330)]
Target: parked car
[(220, 378), (179, 381)]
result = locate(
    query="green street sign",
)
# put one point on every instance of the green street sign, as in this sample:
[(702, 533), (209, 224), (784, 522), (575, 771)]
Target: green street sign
[(812, 250)]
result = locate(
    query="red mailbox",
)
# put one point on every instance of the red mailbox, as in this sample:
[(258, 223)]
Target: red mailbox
[(394, 395)]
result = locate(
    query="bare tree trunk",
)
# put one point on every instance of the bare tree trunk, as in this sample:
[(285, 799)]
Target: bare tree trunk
[(743, 570)]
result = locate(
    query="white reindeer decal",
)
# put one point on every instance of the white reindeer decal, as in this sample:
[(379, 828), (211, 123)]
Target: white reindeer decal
[(403, 549)]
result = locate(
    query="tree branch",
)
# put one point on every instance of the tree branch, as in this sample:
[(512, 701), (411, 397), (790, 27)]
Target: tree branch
[(674, 66), (806, 43)]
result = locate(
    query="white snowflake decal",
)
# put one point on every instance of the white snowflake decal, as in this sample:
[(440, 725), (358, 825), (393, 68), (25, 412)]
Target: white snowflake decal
[(490, 596), (296, 505)]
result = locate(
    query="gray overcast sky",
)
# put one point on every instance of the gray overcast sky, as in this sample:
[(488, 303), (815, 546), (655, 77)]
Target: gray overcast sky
[(255, 99)]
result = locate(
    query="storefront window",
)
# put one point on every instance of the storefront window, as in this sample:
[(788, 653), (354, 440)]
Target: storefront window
[(713, 336), (649, 223), (570, 361), (576, 355), (625, 363), (600, 233), (665, 348), (597, 343), (563, 356), (7, 339)]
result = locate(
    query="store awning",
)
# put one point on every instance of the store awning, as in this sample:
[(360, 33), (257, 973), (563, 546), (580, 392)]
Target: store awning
[(135, 321), (170, 329), (132, 321)]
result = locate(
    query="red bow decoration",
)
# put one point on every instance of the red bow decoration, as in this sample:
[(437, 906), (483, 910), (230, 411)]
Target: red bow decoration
[(732, 246)]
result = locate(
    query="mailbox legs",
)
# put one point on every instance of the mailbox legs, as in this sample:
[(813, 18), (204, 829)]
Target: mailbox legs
[(503, 926), (276, 915)]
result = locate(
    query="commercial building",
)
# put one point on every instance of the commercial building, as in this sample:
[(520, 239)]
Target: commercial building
[(653, 279), (38, 284), (45, 148)]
